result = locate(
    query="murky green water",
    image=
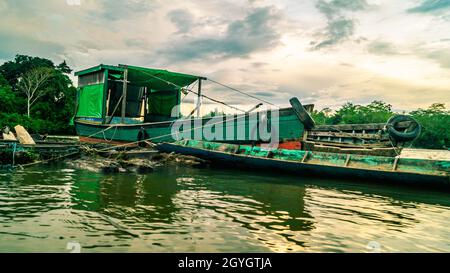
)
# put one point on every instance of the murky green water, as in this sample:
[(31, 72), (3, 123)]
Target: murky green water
[(201, 210)]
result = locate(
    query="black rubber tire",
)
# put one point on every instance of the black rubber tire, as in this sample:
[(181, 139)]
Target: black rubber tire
[(142, 135), (302, 114), (411, 133)]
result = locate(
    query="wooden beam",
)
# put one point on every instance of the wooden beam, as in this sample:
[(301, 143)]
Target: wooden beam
[(347, 135), (359, 127), (348, 145), (124, 94), (105, 106), (199, 97), (347, 160)]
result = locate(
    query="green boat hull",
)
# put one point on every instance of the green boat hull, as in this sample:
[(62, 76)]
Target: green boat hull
[(288, 127), (406, 171)]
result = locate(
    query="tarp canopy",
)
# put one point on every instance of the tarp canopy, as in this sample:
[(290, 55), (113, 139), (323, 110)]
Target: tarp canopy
[(157, 79), (164, 90), (162, 102)]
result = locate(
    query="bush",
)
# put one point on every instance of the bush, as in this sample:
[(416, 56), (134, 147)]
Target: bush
[(435, 120)]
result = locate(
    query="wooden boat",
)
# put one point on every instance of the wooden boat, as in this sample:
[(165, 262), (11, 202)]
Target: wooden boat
[(412, 167), (147, 99), (13, 153)]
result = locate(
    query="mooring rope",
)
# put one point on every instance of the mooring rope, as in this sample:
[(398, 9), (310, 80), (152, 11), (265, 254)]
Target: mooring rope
[(161, 136), (204, 96), (241, 92)]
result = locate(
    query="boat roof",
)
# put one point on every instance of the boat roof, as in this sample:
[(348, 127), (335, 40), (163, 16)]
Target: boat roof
[(156, 78)]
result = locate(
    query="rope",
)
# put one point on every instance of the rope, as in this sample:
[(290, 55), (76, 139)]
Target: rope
[(217, 101), (103, 131), (241, 92), (114, 134), (45, 161), (14, 154), (204, 96), (153, 138)]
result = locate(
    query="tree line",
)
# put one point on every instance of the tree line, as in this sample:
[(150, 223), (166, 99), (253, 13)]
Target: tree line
[(435, 120), (39, 95)]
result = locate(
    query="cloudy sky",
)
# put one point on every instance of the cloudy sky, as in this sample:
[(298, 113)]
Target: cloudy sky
[(325, 52)]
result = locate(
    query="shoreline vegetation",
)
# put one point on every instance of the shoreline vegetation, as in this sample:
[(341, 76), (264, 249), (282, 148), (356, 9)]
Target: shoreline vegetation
[(36, 93)]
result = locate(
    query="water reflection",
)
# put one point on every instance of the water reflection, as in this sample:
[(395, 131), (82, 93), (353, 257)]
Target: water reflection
[(182, 209)]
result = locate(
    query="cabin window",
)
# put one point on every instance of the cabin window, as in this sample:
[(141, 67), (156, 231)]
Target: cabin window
[(135, 97), (90, 79)]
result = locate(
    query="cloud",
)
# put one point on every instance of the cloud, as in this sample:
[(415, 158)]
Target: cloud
[(337, 31), (182, 19), (382, 48), (336, 7), (339, 27), (256, 32), (429, 6), (12, 44), (120, 10), (264, 94), (441, 56)]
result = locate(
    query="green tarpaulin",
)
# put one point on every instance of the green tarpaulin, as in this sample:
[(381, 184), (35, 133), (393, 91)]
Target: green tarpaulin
[(162, 103), (90, 101), (164, 86), (157, 79)]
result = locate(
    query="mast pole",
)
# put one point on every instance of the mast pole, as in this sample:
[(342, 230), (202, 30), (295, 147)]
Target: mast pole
[(124, 92), (199, 97)]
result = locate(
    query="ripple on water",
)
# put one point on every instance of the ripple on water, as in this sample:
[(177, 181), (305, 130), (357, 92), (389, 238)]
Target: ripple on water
[(189, 210)]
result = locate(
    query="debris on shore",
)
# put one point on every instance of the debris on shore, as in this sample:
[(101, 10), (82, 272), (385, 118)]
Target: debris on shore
[(23, 150), (104, 165)]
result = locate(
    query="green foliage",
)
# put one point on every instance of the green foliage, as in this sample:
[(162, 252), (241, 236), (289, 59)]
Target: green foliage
[(435, 120), (435, 123), (50, 114), (214, 114)]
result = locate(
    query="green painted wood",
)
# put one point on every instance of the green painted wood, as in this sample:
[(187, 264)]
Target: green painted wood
[(288, 127), (409, 171)]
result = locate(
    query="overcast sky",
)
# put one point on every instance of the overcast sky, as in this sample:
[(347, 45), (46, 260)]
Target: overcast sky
[(325, 52)]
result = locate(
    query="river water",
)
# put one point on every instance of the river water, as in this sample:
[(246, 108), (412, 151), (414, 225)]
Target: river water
[(179, 209)]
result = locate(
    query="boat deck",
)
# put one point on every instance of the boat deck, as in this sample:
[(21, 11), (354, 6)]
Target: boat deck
[(426, 154)]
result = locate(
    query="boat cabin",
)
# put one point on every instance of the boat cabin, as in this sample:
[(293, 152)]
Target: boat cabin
[(126, 94)]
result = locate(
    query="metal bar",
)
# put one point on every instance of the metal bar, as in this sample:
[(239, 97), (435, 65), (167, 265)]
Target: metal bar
[(124, 94)]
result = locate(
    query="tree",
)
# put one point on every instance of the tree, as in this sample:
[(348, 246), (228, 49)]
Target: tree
[(31, 84), (64, 68), (13, 70), (8, 101)]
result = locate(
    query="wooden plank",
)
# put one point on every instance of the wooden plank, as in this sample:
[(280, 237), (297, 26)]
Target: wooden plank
[(347, 160), (358, 127), (426, 154), (348, 135), (348, 145), (389, 152), (302, 114), (23, 136)]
